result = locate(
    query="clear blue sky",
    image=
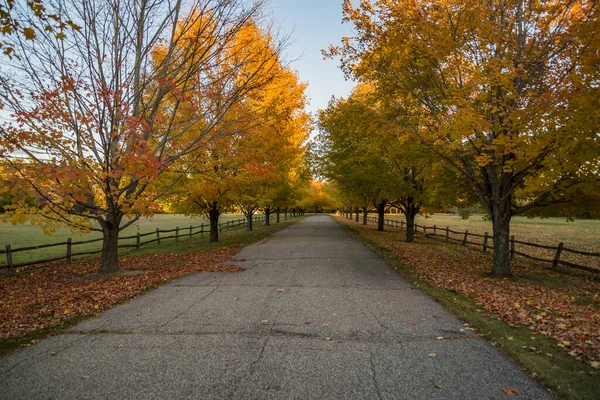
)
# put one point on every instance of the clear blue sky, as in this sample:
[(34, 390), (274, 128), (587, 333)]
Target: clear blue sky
[(314, 25)]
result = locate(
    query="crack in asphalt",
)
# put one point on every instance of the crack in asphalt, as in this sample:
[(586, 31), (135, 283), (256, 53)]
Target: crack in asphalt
[(189, 308), (374, 375)]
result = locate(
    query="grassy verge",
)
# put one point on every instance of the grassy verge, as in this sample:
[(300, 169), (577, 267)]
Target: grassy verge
[(538, 355), (43, 302)]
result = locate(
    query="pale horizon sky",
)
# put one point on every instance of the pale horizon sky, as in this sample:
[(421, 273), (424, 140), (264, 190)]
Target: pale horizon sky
[(314, 25)]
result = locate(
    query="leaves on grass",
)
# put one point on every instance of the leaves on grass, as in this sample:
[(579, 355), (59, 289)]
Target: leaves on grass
[(46, 297)]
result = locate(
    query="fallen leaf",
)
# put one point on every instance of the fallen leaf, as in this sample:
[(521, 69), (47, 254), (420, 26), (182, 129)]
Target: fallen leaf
[(327, 339), (439, 338), (435, 385), (326, 324), (307, 322), (280, 290), (595, 364), (432, 355), (121, 346), (265, 321), (510, 391), (235, 299)]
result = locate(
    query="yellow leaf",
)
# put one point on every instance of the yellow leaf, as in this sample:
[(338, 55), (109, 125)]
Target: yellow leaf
[(29, 33)]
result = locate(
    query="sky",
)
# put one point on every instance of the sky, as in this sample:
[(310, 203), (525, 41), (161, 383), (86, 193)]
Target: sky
[(314, 25)]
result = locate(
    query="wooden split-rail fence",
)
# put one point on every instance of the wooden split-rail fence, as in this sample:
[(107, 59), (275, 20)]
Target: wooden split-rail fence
[(485, 242), (156, 236)]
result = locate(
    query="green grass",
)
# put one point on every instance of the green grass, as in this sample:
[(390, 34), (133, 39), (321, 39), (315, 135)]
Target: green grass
[(566, 376), (27, 235)]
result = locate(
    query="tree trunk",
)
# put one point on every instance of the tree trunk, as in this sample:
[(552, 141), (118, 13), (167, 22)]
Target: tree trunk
[(410, 226), (350, 214), (109, 260), (277, 212), (381, 215), (213, 216), (285, 212), (249, 215), (501, 229), (357, 214), (365, 214), (267, 216)]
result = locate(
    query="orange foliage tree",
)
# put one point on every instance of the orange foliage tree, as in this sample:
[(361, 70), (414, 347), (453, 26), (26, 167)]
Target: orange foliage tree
[(98, 116), (251, 163)]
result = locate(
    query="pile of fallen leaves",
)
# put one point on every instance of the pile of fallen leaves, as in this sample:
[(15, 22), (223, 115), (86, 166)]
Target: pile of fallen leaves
[(556, 312), (46, 297)]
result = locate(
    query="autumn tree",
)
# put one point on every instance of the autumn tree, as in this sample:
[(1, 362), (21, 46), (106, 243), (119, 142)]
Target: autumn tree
[(347, 156), (318, 197), (371, 154), (210, 181), (505, 92), (99, 115), (274, 151)]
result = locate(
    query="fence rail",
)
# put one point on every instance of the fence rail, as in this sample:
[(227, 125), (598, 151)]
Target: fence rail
[(486, 244), (69, 254)]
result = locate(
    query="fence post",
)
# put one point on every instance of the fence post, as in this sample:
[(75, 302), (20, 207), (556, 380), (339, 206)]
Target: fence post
[(137, 241), (9, 261), (485, 242), (190, 230), (557, 255), (434, 230), (512, 246), (466, 237), (425, 230), (69, 251), (176, 233), (447, 234), (202, 229), (157, 236)]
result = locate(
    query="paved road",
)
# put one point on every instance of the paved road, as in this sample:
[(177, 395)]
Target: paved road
[(316, 315)]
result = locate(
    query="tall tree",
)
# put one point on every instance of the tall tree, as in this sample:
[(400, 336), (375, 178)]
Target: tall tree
[(97, 115), (504, 91), (370, 153)]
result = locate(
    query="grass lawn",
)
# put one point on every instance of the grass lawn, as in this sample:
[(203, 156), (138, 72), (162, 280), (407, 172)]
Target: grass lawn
[(31, 235), (546, 320)]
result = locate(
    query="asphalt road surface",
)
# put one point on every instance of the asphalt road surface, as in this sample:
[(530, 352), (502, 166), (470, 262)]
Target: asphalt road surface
[(316, 315)]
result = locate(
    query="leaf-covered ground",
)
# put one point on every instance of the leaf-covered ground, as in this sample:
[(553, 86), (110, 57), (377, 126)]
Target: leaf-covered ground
[(44, 298), (563, 307)]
